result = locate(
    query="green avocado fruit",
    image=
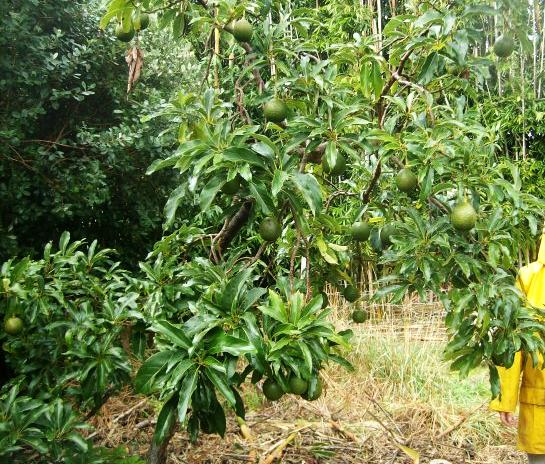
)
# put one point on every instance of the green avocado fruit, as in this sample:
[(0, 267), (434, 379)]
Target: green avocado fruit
[(275, 110), (272, 390), (122, 35), (339, 167), (298, 386), (406, 181), (351, 293), (270, 229), (359, 316), (360, 231), (463, 217), (504, 46), (242, 30), (13, 325)]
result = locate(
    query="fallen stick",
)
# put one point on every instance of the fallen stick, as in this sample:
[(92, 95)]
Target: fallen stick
[(145, 423), (459, 423), (278, 450), (335, 426), (247, 434), (129, 411)]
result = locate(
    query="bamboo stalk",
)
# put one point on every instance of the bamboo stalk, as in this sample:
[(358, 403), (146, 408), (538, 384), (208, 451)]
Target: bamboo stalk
[(534, 42), (494, 38), (523, 104), (379, 23), (541, 57), (216, 52), (273, 63)]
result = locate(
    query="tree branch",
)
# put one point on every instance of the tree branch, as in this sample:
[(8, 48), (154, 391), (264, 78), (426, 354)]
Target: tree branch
[(234, 225), (373, 181), (257, 255), (379, 106), (338, 193)]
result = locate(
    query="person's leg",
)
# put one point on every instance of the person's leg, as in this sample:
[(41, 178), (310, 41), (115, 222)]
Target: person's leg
[(536, 458)]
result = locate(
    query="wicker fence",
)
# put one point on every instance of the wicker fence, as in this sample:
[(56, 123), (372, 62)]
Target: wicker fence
[(412, 320)]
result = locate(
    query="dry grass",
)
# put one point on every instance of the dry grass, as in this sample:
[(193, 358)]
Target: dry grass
[(401, 392)]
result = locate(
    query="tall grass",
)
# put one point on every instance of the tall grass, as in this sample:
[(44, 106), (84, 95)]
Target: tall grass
[(413, 382), (416, 371)]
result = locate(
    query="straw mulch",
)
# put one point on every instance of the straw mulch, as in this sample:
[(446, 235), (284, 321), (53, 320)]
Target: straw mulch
[(349, 424), (333, 429)]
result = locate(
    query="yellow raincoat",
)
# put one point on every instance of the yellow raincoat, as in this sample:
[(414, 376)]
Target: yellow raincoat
[(531, 392)]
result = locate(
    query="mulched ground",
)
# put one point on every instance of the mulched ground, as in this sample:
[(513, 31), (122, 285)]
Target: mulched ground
[(308, 433), (349, 424)]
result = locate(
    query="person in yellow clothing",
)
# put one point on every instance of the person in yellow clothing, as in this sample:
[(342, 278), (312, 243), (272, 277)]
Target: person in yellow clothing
[(530, 394)]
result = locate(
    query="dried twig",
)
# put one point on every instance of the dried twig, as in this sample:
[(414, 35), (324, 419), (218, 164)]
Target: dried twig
[(258, 254), (460, 422), (277, 449)]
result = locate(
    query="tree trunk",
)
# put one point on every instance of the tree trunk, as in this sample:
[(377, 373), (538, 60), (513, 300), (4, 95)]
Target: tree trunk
[(158, 452)]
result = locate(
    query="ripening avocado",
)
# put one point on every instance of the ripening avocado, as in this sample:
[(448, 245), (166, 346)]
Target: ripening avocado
[(463, 216), (339, 167), (122, 35), (298, 386), (317, 392), (351, 293), (504, 46), (272, 390), (386, 234), (270, 229), (275, 110), (359, 316), (140, 21), (13, 325), (231, 186), (406, 181), (360, 231), (242, 30)]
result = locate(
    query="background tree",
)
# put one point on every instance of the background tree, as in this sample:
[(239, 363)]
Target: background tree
[(74, 147)]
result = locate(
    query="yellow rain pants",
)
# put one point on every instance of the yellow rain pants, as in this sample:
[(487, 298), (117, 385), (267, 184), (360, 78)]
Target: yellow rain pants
[(531, 392)]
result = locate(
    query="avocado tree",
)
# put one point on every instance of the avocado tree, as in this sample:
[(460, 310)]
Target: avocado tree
[(291, 127), (63, 350), (291, 141)]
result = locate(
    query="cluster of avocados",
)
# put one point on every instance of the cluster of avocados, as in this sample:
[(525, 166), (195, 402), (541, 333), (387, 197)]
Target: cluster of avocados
[(125, 31), (351, 294), (463, 216), (360, 231), (275, 110), (273, 391)]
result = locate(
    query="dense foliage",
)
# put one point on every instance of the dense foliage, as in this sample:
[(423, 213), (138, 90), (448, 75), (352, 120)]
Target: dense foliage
[(74, 148), (312, 144)]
